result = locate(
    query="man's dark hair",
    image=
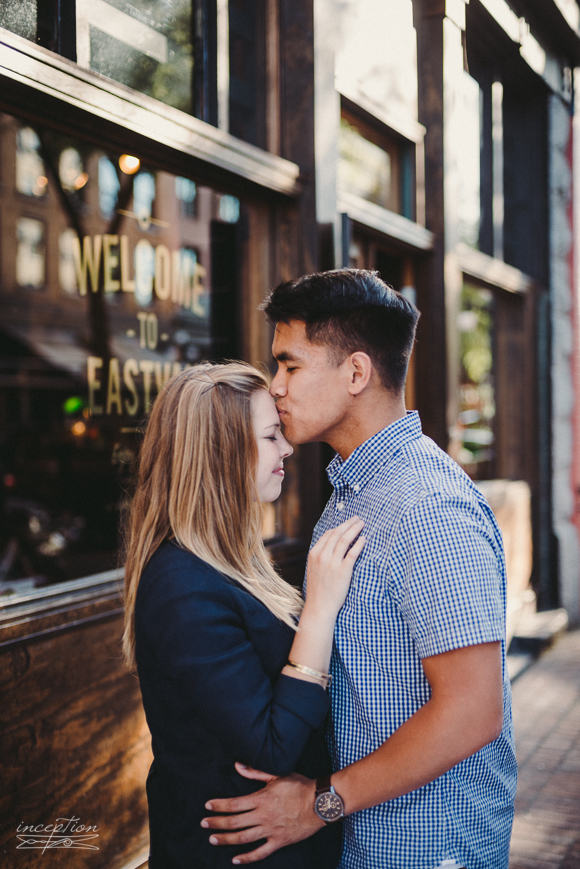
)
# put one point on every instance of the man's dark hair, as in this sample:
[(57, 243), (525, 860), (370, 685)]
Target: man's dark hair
[(349, 310)]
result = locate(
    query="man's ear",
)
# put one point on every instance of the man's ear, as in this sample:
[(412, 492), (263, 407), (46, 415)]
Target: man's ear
[(360, 372)]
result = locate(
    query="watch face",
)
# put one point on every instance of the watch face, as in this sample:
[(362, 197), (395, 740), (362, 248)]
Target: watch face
[(329, 806)]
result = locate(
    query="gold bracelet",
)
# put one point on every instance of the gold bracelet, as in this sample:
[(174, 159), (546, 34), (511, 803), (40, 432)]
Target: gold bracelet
[(323, 679)]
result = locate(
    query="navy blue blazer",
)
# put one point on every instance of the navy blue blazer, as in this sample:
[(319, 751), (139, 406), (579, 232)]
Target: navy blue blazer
[(209, 657)]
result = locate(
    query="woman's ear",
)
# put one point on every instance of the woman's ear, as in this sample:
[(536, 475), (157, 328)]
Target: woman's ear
[(361, 369)]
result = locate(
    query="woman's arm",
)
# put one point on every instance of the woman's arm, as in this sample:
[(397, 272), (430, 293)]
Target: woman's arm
[(330, 564), (203, 655)]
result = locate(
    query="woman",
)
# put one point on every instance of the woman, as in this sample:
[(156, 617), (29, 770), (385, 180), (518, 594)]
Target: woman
[(232, 664)]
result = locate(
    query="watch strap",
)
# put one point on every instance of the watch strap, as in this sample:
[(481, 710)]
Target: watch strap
[(322, 784)]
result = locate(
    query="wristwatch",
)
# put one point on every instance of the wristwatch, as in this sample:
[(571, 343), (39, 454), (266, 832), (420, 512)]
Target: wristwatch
[(328, 805)]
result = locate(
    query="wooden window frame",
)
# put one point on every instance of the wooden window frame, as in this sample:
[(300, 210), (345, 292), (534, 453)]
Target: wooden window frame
[(28, 70)]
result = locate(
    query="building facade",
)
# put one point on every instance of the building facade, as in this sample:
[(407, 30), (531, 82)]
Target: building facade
[(162, 164)]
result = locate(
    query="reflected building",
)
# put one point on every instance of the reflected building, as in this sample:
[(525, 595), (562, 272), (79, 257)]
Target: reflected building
[(107, 290)]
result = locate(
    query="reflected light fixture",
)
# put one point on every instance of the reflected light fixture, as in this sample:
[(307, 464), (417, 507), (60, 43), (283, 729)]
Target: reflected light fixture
[(129, 164), (80, 181), (78, 428)]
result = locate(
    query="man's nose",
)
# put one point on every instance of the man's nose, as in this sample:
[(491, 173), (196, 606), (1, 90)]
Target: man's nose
[(278, 386)]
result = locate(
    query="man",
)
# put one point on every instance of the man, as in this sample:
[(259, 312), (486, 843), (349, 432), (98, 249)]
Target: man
[(421, 734)]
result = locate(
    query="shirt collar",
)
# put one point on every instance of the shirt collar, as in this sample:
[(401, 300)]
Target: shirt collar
[(364, 462)]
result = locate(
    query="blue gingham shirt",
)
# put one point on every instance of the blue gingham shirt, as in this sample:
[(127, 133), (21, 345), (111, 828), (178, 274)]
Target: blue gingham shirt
[(431, 578)]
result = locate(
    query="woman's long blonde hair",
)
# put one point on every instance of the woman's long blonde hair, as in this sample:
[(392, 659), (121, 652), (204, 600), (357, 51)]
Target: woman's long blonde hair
[(196, 484)]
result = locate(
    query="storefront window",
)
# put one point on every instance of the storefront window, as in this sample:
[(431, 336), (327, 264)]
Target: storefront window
[(102, 298), (474, 433)]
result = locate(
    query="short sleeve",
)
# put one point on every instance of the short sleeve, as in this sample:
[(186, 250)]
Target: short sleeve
[(449, 575)]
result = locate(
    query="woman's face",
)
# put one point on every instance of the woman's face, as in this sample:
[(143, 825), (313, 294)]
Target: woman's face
[(272, 446)]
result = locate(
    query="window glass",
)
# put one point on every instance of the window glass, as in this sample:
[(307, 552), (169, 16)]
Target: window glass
[(474, 434), (372, 164), (19, 16), (71, 170), (468, 139), (30, 172), (30, 252), (144, 272), (102, 298), (144, 44), (247, 63), (108, 185), (189, 54), (66, 261), (186, 192), (364, 168), (144, 196), (229, 208), (377, 53)]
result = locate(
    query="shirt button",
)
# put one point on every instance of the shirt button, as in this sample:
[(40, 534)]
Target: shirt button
[(340, 506), (356, 487)]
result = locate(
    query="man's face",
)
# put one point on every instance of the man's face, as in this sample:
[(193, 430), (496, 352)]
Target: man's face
[(311, 391)]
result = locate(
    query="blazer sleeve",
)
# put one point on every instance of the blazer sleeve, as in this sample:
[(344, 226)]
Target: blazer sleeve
[(202, 647)]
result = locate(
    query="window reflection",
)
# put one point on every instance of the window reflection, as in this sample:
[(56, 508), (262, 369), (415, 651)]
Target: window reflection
[(71, 171), (66, 262), (146, 46), (229, 209), (468, 158), (364, 167), (19, 16), (108, 187), (129, 164), (475, 425), (193, 296), (186, 192), (30, 253), (143, 197), (144, 272), (133, 290), (30, 172)]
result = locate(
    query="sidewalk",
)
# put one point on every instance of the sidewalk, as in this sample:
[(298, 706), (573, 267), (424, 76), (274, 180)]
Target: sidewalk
[(546, 709)]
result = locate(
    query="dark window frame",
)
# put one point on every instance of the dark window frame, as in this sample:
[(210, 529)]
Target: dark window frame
[(401, 150)]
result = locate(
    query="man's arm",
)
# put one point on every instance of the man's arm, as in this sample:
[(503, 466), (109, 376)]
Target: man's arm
[(463, 714)]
